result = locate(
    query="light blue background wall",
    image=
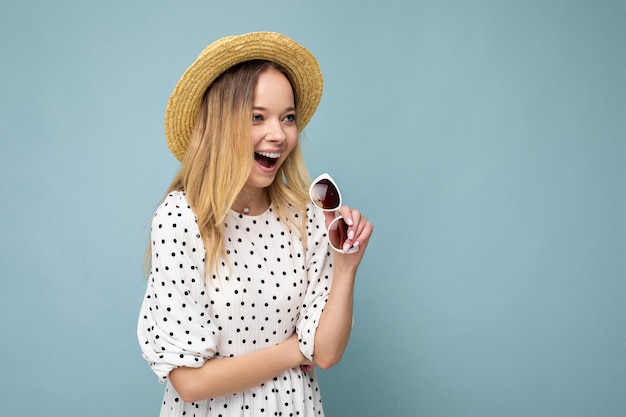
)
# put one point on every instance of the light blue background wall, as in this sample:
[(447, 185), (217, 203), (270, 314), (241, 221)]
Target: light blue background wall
[(485, 139)]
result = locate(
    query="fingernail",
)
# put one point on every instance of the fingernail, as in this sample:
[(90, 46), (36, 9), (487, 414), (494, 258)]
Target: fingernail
[(351, 234), (356, 244), (350, 222), (346, 247)]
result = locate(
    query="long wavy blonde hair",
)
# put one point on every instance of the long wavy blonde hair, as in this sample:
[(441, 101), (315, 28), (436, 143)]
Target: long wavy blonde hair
[(220, 156)]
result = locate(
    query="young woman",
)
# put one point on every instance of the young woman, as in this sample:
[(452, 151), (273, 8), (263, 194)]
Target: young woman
[(245, 295)]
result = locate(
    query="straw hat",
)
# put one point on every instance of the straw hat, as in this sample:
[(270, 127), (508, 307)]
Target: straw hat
[(229, 51)]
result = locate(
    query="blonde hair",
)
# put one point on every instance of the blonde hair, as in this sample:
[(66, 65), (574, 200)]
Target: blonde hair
[(220, 156)]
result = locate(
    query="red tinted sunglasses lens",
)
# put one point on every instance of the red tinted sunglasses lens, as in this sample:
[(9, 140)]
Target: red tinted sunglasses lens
[(325, 195), (338, 233)]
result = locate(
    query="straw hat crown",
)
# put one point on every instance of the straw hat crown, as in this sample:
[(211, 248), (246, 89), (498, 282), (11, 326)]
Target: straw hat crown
[(223, 54)]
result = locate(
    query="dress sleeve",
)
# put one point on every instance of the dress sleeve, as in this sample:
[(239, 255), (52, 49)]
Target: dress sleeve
[(319, 276), (175, 327)]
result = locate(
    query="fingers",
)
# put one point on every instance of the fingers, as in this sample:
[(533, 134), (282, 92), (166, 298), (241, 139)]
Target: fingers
[(359, 229), (305, 364), (307, 368)]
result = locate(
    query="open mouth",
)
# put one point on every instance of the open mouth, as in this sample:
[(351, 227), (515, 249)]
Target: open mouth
[(266, 159)]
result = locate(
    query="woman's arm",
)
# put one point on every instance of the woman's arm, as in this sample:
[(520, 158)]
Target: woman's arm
[(333, 332), (218, 377)]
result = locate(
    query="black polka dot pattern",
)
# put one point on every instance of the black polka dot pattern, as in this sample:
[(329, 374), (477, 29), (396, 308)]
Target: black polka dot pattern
[(273, 288)]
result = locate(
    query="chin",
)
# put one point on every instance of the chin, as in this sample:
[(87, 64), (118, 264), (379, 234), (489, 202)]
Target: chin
[(261, 180)]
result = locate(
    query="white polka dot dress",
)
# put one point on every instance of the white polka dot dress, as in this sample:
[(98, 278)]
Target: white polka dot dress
[(273, 289)]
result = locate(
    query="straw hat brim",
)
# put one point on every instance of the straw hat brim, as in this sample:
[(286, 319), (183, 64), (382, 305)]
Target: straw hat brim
[(224, 53)]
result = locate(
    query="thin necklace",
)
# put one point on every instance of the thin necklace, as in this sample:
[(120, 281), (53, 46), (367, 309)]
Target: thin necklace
[(246, 208)]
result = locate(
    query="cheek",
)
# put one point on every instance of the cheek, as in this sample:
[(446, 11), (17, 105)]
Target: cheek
[(256, 135), (290, 147), (292, 139)]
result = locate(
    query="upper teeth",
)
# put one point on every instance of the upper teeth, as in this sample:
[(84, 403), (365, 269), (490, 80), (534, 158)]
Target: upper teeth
[(273, 155)]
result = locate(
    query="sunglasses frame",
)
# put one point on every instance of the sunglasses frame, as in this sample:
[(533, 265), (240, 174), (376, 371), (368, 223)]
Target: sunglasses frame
[(334, 224)]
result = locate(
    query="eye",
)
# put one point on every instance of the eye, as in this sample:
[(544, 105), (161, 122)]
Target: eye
[(257, 118), (290, 118)]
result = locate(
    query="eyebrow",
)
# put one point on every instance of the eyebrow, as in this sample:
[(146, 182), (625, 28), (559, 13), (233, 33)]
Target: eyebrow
[(265, 109)]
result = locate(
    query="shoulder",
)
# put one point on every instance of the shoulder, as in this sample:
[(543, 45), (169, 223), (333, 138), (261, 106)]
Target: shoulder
[(174, 213), (173, 204)]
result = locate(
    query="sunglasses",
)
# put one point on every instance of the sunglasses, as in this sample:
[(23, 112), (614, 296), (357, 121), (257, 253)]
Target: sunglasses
[(325, 195)]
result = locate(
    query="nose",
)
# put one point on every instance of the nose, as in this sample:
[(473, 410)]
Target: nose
[(275, 132)]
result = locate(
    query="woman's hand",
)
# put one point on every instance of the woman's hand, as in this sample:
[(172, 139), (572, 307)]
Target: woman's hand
[(359, 231), (305, 364), (308, 367)]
